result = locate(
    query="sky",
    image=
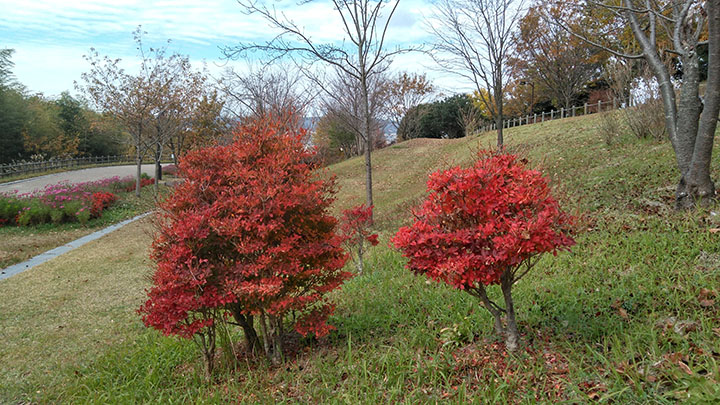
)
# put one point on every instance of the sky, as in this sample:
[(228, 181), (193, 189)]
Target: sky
[(50, 37)]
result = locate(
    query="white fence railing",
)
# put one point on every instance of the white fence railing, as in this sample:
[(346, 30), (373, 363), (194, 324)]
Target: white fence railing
[(585, 109)]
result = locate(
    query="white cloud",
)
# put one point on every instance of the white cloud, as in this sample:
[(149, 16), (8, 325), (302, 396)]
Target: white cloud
[(50, 36)]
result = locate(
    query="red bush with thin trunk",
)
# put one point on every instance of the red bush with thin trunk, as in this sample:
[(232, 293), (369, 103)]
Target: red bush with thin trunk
[(355, 227), (484, 225), (247, 235)]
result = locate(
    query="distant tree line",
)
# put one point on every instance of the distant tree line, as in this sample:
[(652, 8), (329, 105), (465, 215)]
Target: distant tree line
[(35, 127)]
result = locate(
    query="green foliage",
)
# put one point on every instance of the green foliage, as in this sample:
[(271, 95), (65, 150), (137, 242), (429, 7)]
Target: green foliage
[(6, 65), (14, 113), (34, 213), (333, 139), (9, 208), (35, 125), (441, 119)]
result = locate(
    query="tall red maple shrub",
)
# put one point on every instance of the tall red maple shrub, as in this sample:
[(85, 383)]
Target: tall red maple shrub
[(484, 225), (247, 235)]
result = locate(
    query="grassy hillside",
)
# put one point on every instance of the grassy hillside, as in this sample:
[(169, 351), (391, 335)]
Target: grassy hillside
[(629, 316)]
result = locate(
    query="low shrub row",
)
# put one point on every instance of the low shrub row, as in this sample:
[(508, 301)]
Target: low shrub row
[(64, 202)]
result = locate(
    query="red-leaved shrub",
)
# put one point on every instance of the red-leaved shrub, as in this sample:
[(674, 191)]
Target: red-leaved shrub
[(100, 201), (143, 182), (247, 235), (355, 228), (170, 170), (484, 225)]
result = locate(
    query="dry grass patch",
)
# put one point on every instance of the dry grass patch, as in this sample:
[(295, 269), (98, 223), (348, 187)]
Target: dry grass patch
[(20, 244), (68, 310)]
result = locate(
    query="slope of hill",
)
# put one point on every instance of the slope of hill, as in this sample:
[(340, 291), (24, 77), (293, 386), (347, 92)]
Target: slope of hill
[(630, 316)]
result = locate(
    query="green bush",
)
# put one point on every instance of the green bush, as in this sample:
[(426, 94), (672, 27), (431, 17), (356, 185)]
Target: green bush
[(9, 208), (34, 213)]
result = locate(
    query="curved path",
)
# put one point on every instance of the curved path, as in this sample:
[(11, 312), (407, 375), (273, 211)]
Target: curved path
[(51, 254), (75, 176)]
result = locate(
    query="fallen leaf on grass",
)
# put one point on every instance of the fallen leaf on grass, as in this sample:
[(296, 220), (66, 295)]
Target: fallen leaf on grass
[(714, 230), (706, 297), (707, 303), (685, 326), (684, 367)]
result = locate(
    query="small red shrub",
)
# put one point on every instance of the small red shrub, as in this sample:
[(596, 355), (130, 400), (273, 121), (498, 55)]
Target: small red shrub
[(355, 228), (143, 182), (100, 201), (484, 225), (247, 234)]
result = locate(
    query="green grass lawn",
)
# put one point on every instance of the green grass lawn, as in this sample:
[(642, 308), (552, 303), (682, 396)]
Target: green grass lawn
[(629, 316)]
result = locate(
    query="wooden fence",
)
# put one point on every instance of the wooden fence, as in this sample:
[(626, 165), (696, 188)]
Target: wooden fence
[(585, 109), (48, 165)]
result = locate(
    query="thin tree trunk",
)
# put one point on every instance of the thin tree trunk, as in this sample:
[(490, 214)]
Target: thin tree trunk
[(368, 141), (209, 353), (138, 163), (265, 331), (360, 258), (158, 167), (246, 322), (496, 313), (499, 108), (512, 337), (277, 337)]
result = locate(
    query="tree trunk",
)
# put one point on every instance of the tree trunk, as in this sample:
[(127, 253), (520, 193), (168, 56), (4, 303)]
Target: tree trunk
[(496, 313), (265, 335), (138, 162), (696, 184), (208, 347), (277, 336), (368, 140), (499, 108), (158, 167), (691, 140), (512, 337), (360, 258), (246, 322)]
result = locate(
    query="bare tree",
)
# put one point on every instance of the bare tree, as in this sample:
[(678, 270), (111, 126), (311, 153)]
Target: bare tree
[(277, 91), (360, 54), (470, 119), (673, 28), (344, 100), (473, 39)]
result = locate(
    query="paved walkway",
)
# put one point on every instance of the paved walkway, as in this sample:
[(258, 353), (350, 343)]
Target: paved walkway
[(75, 176), (51, 254)]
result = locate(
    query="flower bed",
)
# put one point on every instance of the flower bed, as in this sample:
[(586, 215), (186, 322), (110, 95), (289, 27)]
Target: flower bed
[(64, 202)]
